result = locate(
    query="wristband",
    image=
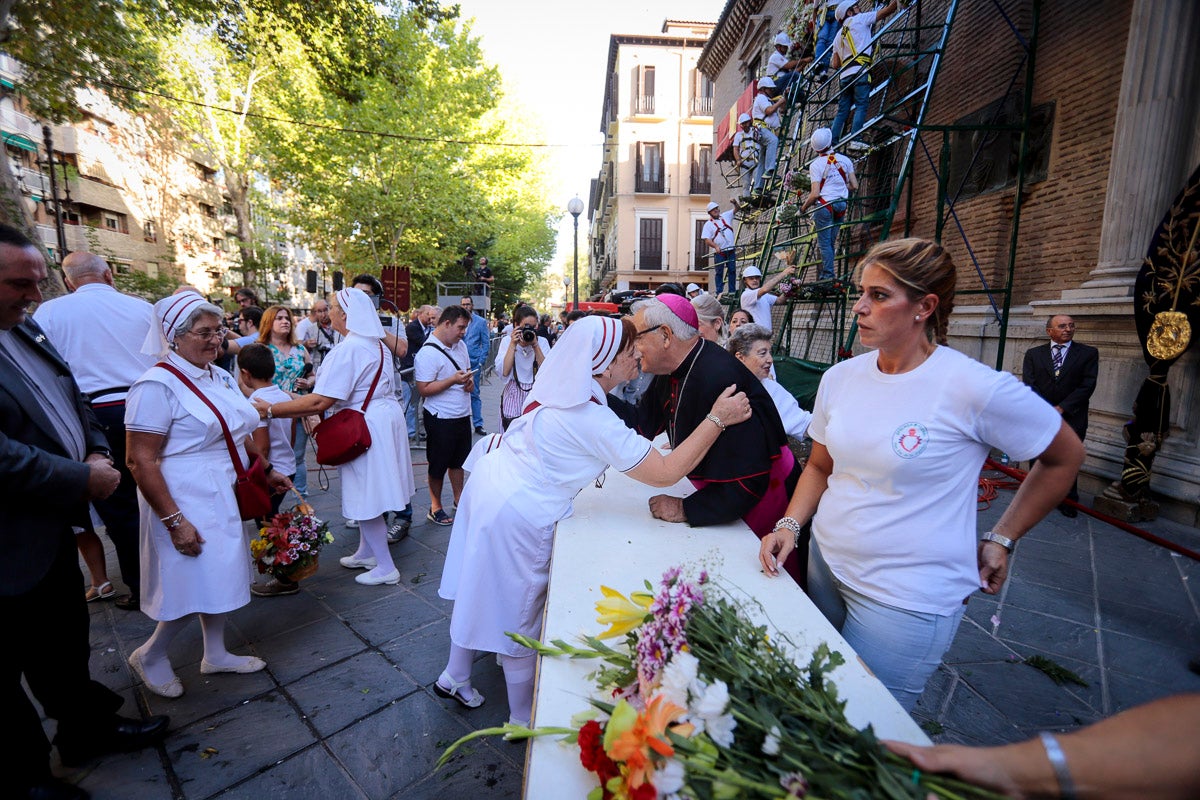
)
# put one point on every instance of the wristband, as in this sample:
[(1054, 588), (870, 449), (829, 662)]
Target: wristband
[(715, 420), (1003, 541), (268, 469), (1058, 760)]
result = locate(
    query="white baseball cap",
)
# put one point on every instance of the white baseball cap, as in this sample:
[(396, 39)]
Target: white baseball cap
[(842, 8), (752, 272), (712, 206), (766, 82), (821, 139), (742, 118), (691, 287), (783, 40)]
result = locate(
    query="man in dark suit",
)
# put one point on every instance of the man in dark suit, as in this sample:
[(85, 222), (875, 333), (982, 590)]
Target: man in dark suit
[(1063, 373), (54, 460)]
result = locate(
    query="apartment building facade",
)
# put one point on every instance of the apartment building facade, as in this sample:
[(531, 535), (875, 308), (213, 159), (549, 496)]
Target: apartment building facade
[(647, 205), (129, 188)]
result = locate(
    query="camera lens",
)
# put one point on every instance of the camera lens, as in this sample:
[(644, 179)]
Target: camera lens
[(528, 335)]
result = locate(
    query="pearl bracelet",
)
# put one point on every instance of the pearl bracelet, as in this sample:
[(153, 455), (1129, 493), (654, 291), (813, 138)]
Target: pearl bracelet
[(791, 524), (715, 420)]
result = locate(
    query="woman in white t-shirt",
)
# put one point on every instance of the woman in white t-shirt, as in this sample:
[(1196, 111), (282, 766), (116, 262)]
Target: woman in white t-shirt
[(498, 561), (899, 436)]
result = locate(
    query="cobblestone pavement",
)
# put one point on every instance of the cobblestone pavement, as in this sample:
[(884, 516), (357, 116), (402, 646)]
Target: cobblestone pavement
[(345, 707)]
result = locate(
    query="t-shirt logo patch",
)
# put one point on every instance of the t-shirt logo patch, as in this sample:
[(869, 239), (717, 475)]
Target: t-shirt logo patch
[(910, 440)]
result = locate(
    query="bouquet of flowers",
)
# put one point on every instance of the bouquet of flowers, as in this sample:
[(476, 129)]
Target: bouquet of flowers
[(288, 545), (798, 180), (700, 703)]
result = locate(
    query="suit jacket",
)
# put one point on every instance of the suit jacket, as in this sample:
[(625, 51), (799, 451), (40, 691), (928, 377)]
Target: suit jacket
[(415, 333), (1075, 383), (43, 491)]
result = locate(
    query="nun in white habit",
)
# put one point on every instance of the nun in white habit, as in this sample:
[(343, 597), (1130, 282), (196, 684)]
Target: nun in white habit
[(381, 479), (194, 555), (497, 564)]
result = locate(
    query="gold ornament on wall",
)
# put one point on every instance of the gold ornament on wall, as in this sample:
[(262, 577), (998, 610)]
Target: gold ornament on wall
[(1169, 335)]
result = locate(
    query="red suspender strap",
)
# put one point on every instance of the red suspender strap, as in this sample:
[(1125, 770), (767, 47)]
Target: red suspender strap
[(233, 453)]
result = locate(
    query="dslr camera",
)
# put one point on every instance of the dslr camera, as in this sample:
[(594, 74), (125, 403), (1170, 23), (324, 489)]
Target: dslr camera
[(528, 334)]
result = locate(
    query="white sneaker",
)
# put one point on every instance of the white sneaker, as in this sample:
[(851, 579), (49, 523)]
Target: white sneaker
[(858, 146), (351, 523)]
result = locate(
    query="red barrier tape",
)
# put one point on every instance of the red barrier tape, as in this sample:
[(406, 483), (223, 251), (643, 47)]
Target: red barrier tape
[(1019, 475)]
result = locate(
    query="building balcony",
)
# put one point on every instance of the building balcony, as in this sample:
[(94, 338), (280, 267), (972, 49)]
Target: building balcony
[(99, 195), (700, 184), (643, 104), (700, 107), (33, 182), (650, 184), (20, 130)]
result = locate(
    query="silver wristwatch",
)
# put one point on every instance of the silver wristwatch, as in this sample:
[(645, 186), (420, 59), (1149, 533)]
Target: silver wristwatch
[(1003, 541)]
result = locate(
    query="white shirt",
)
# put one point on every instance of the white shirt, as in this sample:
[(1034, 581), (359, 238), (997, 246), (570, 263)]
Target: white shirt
[(720, 230), (795, 419), (99, 331), (305, 329), (746, 144), (523, 359), (759, 111), (431, 365), (834, 186), (775, 63), (897, 521), (856, 29), (759, 307), (279, 431)]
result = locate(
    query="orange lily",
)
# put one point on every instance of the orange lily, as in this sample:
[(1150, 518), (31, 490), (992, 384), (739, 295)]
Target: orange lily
[(647, 733)]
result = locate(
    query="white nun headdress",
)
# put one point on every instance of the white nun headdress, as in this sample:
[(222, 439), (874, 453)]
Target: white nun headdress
[(585, 349), (361, 316)]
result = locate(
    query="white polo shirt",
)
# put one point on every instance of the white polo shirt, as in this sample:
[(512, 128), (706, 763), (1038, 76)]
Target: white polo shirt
[(431, 364), (99, 331)]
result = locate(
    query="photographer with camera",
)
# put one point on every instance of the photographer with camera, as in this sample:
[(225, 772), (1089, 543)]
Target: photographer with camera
[(521, 353), (319, 336)]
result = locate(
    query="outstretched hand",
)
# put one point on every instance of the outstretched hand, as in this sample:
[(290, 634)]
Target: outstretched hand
[(732, 407)]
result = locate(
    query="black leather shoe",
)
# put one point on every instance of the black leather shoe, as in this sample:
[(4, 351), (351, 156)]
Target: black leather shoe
[(127, 602), (120, 735), (54, 789), (1070, 512)]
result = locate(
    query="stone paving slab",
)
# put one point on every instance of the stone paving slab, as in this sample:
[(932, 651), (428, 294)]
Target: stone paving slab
[(345, 707)]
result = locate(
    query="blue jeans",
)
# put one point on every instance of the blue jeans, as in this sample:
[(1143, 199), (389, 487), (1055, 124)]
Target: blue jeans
[(725, 265), (476, 402), (407, 390), (299, 450), (770, 151), (825, 36), (903, 648), (856, 91), (827, 230)]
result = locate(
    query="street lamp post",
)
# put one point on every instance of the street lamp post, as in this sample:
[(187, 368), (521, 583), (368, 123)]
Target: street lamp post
[(575, 208)]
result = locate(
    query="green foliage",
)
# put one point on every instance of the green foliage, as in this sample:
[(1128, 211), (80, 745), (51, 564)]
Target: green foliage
[(139, 283), (1055, 671), (418, 197)]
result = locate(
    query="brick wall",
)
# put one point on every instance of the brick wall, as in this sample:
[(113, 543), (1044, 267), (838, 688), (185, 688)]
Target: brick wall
[(1078, 68)]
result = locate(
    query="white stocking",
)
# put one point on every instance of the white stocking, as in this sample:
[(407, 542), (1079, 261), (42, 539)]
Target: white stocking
[(213, 626), (518, 678), (153, 653), (374, 539)]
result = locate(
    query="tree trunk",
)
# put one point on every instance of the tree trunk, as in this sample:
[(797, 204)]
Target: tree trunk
[(238, 186)]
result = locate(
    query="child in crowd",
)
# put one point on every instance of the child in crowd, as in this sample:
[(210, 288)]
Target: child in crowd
[(256, 368)]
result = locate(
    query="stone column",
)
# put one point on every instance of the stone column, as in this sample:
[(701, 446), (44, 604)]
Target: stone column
[(1154, 142)]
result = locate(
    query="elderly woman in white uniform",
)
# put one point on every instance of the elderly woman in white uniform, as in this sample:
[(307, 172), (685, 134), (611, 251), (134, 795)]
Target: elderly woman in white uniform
[(380, 479), (497, 565), (193, 548), (751, 345)]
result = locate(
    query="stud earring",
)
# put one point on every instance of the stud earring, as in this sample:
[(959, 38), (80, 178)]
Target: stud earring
[(917, 317)]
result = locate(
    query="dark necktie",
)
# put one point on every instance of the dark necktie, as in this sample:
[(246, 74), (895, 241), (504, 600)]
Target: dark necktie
[(1058, 359)]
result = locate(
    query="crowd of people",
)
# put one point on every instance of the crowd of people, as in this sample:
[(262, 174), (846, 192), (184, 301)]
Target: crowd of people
[(878, 526)]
